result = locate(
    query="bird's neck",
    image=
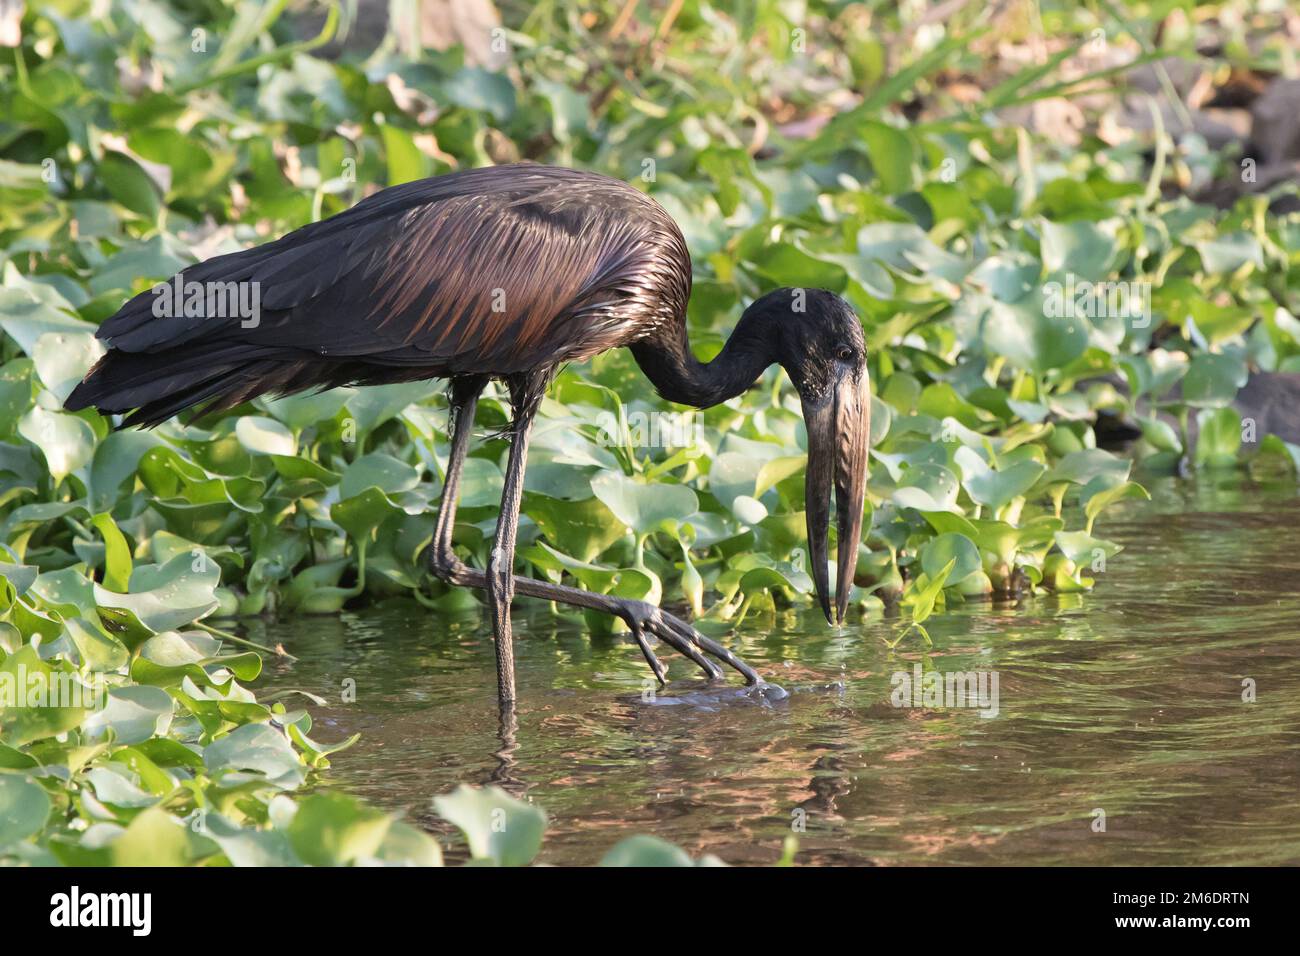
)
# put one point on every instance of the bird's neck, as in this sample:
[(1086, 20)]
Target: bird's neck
[(680, 377)]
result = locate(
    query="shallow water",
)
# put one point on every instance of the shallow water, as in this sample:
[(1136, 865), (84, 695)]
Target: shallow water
[(1127, 700)]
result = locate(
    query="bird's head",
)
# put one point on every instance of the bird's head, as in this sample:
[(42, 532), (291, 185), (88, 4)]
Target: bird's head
[(819, 342)]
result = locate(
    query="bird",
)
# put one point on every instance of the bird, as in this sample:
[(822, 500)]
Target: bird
[(501, 273)]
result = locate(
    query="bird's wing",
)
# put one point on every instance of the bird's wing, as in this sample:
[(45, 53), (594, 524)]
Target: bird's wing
[(485, 270)]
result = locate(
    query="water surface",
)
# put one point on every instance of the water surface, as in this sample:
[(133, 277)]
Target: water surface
[(1127, 700)]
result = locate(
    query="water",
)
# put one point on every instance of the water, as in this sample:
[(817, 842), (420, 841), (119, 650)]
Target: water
[(1126, 700)]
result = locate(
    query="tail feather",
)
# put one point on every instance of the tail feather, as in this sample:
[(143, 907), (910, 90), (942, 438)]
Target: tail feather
[(161, 384)]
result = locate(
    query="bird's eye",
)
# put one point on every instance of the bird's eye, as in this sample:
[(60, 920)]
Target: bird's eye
[(845, 353)]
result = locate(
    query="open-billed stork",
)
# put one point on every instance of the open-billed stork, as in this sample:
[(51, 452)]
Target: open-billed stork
[(506, 273)]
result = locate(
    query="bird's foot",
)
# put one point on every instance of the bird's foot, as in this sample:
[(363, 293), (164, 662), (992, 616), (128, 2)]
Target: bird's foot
[(647, 621)]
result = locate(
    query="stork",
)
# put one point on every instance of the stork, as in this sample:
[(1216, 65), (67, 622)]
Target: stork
[(504, 273)]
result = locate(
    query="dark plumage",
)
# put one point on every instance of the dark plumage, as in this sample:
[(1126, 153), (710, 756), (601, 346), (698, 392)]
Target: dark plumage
[(505, 272), (492, 271)]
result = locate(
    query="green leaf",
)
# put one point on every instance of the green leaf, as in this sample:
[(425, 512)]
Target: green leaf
[(129, 184), (923, 600), (117, 558), (641, 506), (63, 358), (331, 829), (1030, 338), (994, 489), (265, 436), (24, 807), (891, 155), (1087, 249), (497, 827), (255, 749), (646, 851), (1212, 380), (1218, 438), (953, 551), (1104, 499), (66, 441), (1229, 252), (169, 596)]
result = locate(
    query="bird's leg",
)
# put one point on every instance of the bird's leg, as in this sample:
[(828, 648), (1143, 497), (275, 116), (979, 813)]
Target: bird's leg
[(645, 620), (464, 403), (500, 569)]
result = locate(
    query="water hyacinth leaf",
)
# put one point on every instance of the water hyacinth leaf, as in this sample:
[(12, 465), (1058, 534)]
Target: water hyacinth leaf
[(891, 153), (130, 185), (1008, 276), (331, 829), (1107, 497), (99, 652), (133, 714), (43, 683), (404, 845), (924, 598), (165, 597), (115, 461), (1086, 249), (63, 358), (785, 262), (1081, 467), (733, 474), (301, 411), (117, 558), (646, 851), (244, 846), (995, 489), (363, 513), (1032, 339), (378, 470), (156, 838), (1218, 438), (1085, 550), (776, 471), (264, 435), (1212, 380), (25, 318), (498, 828), (481, 484), (927, 487), (479, 89), (371, 407), (169, 658), (583, 529), (950, 550), (1229, 252), (67, 442), (643, 506), (1161, 435), (24, 807), (19, 576), (257, 749), (118, 786)]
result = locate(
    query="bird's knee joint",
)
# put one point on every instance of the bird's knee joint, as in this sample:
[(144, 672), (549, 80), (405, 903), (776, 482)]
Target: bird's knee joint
[(449, 568)]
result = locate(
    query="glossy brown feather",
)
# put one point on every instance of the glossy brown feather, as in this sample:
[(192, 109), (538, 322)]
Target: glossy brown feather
[(492, 271)]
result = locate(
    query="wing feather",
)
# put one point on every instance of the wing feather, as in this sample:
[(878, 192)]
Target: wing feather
[(489, 270)]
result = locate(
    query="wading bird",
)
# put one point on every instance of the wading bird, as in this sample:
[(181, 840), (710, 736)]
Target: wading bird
[(501, 273)]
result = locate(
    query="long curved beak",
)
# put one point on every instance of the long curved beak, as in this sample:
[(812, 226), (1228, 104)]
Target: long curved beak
[(839, 426)]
